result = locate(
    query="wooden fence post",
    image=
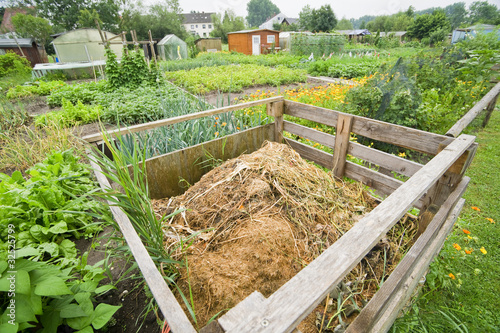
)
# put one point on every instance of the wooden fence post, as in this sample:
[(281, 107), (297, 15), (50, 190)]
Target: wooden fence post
[(344, 126), (437, 195), (276, 110), (489, 110)]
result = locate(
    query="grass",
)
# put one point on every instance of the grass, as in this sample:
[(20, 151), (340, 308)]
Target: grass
[(462, 289)]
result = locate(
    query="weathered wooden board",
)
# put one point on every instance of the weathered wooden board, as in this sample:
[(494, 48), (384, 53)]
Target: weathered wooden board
[(167, 302), (401, 298), (164, 172), (394, 284), (383, 159), (312, 113), (384, 185), (324, 139), (344, 125), (288, 306), (179, 119), (311, 153), (472, 114), (374, 129)]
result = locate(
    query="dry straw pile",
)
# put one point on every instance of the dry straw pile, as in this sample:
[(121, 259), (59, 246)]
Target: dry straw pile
[(266, 215)]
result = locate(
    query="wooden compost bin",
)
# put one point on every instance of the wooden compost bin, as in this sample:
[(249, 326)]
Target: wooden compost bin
[(436, 188)]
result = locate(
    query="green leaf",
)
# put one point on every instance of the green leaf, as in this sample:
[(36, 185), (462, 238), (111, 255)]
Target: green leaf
[(9, 328), (68, 248), (102, 314), (50, 320), (72, 311), (23, 285), (59, 228), (87, 329), (51, 248), (27, 251), (86, 304), (3, 266), (105, 288), (52, 286), (89, 286), (24, 312)]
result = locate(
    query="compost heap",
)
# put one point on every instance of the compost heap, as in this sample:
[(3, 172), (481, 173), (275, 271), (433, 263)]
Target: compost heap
[(265, 216)]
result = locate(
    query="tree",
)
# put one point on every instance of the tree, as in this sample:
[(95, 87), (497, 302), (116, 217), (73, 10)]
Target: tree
[(230, 22), (424, 25), (483, 12), (305, 18), (285, 27), (363, 25), (259, 11), (61, 12), (87, 18), (30, 26), (344, 24), (109, 14), (457, 14), (323, 19)]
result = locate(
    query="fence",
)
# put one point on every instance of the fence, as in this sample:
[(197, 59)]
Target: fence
[(436, 188)]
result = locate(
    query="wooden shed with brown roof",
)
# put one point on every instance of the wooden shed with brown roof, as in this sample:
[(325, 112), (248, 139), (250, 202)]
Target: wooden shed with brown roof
[(24, 47), (259, 41)]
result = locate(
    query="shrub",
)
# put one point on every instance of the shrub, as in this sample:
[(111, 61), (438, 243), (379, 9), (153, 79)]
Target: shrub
[(11, 63)]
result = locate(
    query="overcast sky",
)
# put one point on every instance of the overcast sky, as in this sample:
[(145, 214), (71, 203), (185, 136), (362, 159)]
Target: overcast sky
[(347, 8)]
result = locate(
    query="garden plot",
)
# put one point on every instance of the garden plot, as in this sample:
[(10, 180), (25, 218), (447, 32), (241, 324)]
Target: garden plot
[(265, 216)]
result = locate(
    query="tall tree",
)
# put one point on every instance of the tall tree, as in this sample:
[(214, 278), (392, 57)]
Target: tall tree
[(424, 25), (30, 26), (457, 14), (87, 18), (344, 24), (483, 12), (305, 18), (229, 23), (324, 19), (259, 11), (61, 12)]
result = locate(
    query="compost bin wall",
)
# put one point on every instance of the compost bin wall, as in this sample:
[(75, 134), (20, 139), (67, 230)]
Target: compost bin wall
[(165, 172)]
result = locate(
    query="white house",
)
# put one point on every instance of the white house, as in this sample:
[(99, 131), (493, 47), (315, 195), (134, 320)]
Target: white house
[(275, 19), (198, 23)]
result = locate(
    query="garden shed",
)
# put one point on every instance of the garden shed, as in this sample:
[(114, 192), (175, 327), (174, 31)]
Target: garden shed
[(25, 47), (209, 44), (172, 47), (259, 41), (83, 45), (463, 33)]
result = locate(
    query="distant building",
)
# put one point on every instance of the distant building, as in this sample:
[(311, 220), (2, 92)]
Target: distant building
[(7, 18), (398, 34), (470, 32), (24, 47), (254, 42), (198, 23), (356, 34), (275, 19)]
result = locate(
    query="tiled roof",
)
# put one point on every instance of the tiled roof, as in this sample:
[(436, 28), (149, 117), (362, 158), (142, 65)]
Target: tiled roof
[(197, 18)]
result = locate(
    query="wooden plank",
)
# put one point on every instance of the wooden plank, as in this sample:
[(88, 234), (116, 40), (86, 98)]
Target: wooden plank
[(324, 139), (231, 319), (383, 159), (374, 129), (276, 110), (472, 114), (312, 113), (165, 171), (288, 306), (344, 125), (489, 108), (164, 297), (179, 119), (400, 299), (393, 284), (311, 153), (385, 185)]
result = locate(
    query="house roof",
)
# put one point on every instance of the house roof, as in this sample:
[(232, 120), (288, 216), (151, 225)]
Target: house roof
[(290, 20), (395, 33), (276, 18), (197, 18), (7, 17), (11, 42), (478, 27), (357, 32), (254, 30)]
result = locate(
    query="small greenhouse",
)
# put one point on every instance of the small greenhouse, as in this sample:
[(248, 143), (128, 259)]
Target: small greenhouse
[(83, 45), (172, 47)]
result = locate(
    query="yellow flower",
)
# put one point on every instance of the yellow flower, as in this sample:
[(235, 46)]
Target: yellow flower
[(224, 124), (483, 250), (490, 219), (452, 276), (216, 133), (403, 154), (457, 247)]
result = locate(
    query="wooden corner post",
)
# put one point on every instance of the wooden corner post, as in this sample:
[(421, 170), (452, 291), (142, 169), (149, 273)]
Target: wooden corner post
[(344, 126), (438, 194), (276, 110)]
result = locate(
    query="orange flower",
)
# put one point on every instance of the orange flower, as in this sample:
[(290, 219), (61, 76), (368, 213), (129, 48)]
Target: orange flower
[(456, 246), (452, 276), (490, 219), (475, 208), (466, 231), (468, 251)]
